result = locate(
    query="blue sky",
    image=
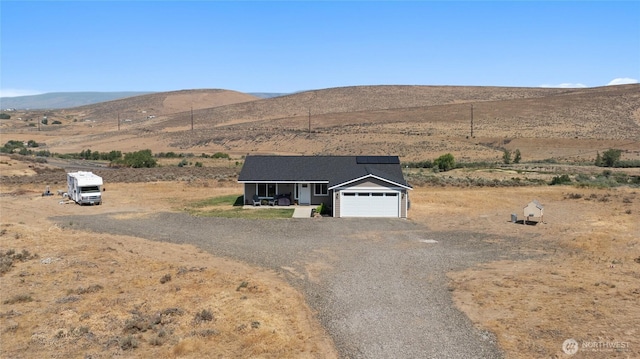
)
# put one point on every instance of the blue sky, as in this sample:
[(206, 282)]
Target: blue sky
[(268, 46)]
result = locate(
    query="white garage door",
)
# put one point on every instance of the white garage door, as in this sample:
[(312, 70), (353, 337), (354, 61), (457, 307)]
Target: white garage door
[(369, 204)]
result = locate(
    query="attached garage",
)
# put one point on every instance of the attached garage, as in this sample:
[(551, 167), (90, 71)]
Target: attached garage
[(370, 196), (369, 204)]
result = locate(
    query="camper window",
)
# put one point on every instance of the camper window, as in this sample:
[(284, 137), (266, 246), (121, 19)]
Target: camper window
[(90, 189)]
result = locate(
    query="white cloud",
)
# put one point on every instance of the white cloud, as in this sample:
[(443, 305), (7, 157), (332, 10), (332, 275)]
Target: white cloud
[(18, 92), (566, 85), (622, 81)]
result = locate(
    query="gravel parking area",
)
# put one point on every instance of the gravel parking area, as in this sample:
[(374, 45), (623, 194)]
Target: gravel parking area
[(379, 286)]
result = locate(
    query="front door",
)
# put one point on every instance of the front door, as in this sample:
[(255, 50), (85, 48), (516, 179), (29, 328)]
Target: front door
[(304, 193)]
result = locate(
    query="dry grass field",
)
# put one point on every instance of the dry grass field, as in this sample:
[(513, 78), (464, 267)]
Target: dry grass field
[(67, 293), (103, 294), (584, 285)]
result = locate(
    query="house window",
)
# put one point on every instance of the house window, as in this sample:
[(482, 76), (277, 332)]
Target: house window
[(266, 189), (320, 189)]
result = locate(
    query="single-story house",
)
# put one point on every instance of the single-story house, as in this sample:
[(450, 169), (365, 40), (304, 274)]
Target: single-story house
[(350, 186)]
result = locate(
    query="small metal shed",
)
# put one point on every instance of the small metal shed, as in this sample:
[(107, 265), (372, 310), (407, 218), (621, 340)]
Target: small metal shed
[(534, 209)]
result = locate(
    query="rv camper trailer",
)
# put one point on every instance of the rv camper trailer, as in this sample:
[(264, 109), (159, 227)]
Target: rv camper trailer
[(84, 187)]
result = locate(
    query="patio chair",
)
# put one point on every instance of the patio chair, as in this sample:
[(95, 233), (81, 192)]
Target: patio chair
[(256, 200)]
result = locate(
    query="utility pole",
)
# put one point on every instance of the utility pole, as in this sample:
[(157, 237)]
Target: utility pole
[(118, 122), (471, 120), (312, 96), (191, 118), (309, 121)]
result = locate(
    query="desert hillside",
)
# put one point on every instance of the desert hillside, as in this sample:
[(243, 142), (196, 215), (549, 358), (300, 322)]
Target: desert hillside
[(164, 103), (414, 122)]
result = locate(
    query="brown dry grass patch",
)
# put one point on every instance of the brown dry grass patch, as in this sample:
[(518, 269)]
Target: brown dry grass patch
[(584, 287), (102, 295)]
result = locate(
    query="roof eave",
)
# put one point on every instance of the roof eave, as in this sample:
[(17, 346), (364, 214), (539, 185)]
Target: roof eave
[(367, 176)]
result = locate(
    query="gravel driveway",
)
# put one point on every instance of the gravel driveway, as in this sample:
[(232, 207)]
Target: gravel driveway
[(379, 286)]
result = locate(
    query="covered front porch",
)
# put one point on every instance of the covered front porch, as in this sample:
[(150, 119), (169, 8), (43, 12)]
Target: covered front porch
[(286, 193)]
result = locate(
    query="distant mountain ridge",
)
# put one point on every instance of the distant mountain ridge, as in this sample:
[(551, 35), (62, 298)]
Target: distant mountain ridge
[(267, 94), (59, 100)]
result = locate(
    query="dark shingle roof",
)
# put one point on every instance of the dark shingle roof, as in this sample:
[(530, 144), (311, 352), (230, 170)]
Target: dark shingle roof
[(332, 169)]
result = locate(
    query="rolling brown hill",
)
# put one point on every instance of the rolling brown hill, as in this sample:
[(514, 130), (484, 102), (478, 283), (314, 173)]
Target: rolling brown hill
[(163, 103), (415, 122)]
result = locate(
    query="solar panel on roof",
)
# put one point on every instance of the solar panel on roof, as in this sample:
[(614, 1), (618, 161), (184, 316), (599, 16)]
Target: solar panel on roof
[(377, 160)]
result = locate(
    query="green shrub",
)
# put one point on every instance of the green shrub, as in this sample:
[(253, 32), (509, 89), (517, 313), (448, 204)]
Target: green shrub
[(168, 155), (480, 164), (563, 179), (506, 156), (94, 155), (628, 163), (445, 162), (11, 146), (583, 178), (574, 196), (610, 157), (418, 164), (621, 177), (322, 209), (518, 156), (5, 116), (139, 159), (546, 160), (220, 155), (598, 161)]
